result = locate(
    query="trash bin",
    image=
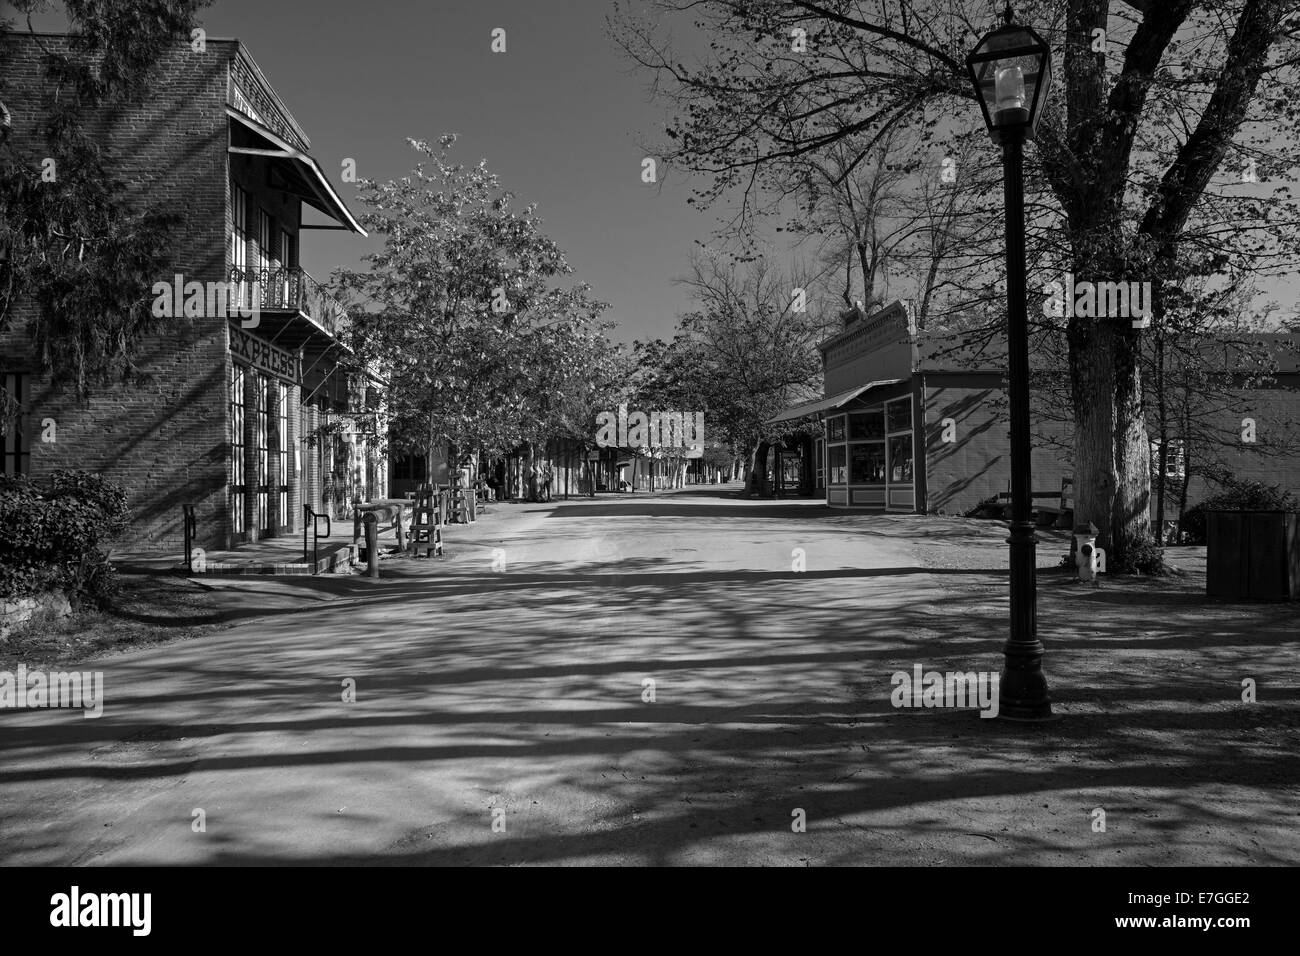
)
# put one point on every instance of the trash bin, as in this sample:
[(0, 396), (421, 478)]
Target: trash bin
[(1252, 554)]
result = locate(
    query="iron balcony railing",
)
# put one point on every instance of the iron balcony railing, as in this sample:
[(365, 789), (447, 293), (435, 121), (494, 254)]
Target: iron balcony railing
[(287, 290)]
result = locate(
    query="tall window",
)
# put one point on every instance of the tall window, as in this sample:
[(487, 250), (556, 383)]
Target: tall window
[(263, 454), (326, 478), (238, 483), (837, 458), (302, 457), (265, 229), (288, 260), (837, 453), (239, 241), (898, 415), (288, 249), (284, 454), (17, 449), (1175, 462), (867, 448)]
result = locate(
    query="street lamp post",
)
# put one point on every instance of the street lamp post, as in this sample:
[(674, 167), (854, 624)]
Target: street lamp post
[(1011, 70)]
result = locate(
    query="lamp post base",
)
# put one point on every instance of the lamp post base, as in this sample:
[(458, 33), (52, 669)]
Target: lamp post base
[(1022, 688)]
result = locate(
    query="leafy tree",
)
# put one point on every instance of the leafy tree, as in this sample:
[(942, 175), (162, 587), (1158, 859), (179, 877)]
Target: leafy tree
[(76, 245), (461, 313)]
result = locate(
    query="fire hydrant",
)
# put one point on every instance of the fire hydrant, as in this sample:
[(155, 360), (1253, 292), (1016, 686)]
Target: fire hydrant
[(1090, 559)]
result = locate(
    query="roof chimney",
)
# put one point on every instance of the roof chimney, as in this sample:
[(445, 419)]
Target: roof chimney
[(854, 314)]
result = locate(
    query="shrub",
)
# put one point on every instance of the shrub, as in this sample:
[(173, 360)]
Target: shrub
[(50, 535), (1235, 496), (1141, 557)]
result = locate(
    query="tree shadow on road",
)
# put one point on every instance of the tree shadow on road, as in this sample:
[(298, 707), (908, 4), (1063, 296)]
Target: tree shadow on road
[(772, 694)]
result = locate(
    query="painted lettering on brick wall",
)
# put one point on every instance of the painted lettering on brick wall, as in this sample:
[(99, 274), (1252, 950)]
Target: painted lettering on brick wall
[(263, 355)]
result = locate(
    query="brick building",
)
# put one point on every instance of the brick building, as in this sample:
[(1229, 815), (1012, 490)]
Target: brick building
[(919, 424), (247, 420)]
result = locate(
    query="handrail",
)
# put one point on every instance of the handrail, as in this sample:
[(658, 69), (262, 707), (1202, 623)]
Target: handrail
[(288, 287), (314, 517), (191, 523)]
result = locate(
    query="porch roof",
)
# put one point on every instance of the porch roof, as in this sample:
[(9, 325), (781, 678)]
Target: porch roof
[(809, 409)]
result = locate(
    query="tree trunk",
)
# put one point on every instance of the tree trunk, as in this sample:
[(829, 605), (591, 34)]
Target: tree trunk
[(1112, 482), (1187, 462), (1162, 418), (428, 457), (758, 474), (757, 469)]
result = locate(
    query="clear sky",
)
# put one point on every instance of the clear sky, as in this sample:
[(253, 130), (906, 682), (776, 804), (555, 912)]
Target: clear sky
[(558, 117)]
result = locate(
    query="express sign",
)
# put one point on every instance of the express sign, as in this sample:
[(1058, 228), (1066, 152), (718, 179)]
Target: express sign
[(263, 355)]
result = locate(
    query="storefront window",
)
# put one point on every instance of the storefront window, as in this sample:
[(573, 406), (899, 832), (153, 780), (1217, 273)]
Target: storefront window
[(867, 424), (238, 486), (900, 458), (900, 416), (791, 470), (835, 429), (283, 405), (821, 463), (836, 462), (867, 463), (263, 431)]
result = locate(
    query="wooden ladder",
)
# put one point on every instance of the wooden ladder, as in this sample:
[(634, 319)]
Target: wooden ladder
[(426, 522), (459, 501)]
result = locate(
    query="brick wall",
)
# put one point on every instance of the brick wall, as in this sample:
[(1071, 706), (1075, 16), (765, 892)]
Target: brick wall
[(163, 438)]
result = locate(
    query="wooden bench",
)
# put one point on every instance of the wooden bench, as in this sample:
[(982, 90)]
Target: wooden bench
[(1060, 509), (1063, 509)]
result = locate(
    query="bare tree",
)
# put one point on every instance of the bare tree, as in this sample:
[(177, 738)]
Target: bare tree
[(752, 344), (1156, 98)]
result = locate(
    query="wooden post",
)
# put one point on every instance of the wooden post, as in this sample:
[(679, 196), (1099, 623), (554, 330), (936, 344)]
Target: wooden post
[(371, 521)]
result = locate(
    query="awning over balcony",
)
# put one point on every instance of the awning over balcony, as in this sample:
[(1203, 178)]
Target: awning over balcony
[(809, 409), (299, 172)]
